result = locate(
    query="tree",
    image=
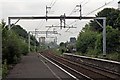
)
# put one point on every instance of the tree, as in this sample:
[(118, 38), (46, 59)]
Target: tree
[(117, 22), (90, 39), (112, 41), (112, 19), (111, 14), (13, 44), (62, 47), (86, 40), (3, 23), (20, 31), (62, 44), (10, 47)]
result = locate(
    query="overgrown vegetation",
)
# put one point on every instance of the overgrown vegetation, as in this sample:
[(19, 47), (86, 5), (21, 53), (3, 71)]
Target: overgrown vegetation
[(62, 47), (14, 45), (89, 41)]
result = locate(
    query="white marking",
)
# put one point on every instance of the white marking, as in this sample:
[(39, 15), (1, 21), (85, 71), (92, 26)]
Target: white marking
[(104, 60), (59, 67), (51, 70)]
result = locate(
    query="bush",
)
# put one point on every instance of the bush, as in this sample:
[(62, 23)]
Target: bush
[(114, 56), (13, 46), (4, 68), (92, 53), (86, 41), (24, 47), (112, 41)]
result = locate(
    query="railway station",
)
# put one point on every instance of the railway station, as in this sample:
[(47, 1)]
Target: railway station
[(60, 40)]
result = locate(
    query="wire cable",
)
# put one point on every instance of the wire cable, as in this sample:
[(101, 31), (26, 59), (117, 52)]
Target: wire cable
[(83, 4), (99, 8), (53, 3)]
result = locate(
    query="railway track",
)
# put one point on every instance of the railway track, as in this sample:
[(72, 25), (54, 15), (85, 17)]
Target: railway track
[(107, 71), (80, 70), (107, 65)]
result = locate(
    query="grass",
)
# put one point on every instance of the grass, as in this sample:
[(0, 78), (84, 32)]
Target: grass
[(114, 56), (57, 52), (110, 56)]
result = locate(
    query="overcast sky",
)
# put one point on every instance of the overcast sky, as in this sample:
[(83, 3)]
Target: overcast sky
[(59, 7)]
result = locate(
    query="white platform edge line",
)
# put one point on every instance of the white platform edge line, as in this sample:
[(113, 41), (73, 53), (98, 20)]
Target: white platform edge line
[(104, 60), (51, 70), (59, 67)]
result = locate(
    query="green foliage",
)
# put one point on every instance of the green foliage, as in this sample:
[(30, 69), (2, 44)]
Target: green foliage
[(113, 40), (114, 56), (62, 50), (62, 44), (117, 22), (2, 24), (4, 68), (62, 47), (86, 41), (90, 39), (98, 43), (20, 31), (33, 40), (24, 35), (112, 16), (56, 51), (14, 43), (24, 47), (11, 46)]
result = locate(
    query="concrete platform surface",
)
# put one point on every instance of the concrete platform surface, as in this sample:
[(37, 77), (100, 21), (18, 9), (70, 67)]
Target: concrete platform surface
[(34, 66)]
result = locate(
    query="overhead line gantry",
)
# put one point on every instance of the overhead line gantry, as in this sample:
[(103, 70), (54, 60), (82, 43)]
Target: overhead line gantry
[(62, 18)]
